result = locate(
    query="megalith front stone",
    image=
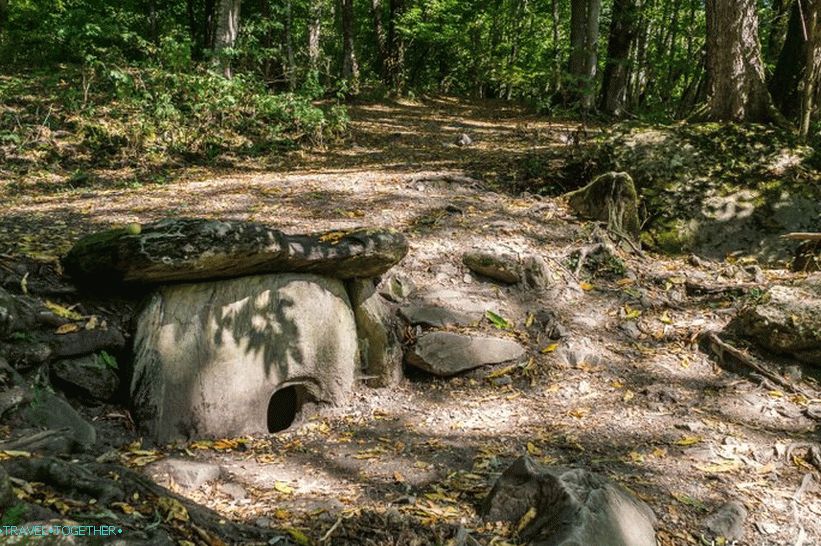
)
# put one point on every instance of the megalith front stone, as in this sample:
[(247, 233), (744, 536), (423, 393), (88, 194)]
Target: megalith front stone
[(213, 359)]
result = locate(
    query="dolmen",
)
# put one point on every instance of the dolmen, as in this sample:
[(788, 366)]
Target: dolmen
[(242, 324)]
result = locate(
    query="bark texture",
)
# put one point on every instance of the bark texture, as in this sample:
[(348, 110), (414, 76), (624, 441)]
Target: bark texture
[(735, 71), (623, 31), (584, 37), (226, 33)]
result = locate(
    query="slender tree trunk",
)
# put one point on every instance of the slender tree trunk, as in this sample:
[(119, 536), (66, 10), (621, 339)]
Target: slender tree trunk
[(584, 37), (812, 63), (735, 71), (226, 33), (778, 29), (350, 67), (314, 33), (381, 40), (396, 45), (789, 70), (617, 69), (289, 46), (557, 65)]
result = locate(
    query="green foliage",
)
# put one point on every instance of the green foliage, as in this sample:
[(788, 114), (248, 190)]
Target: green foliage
[(13, 515), (107, 360)]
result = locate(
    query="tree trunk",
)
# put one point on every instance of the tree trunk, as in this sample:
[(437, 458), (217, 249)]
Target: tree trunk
[(381, 40), (812, 63), (557, 66), (289, 46), (584, 37), (735, 71), (778, 29), (350, 67), (790, 67), (396, 45), (226, 33), (314, 33), (617, 69)]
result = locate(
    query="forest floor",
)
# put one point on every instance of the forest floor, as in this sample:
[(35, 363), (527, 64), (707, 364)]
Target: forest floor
[(626, 392)]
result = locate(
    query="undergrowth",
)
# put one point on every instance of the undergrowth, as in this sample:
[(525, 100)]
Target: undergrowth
[(103, 116)]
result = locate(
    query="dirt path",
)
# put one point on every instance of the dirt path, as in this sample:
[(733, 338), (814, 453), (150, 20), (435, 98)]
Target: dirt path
[(625, 393)]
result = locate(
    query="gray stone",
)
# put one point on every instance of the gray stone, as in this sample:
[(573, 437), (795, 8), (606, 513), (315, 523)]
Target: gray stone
[(396, 288), (500, 266), (786, 320), (445, 307), (568, 507), (234, 490), (17, 313), (199, 249), (47, 442), (727, 521), (377, 330), (610, 198), (85, 342), (448, 353), (27, 354), (464, 140), (89, 374), (52, 412), (186, 473), (535, 273), (209, 356)]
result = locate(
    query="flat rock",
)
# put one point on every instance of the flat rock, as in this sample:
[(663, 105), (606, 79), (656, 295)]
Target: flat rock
[(448, 353), (193, 249), (184, 472), (501, 266), (210, 356), (446, 307), (377, 331), (572, 507), (88, 374), (84, 342), (787, 320)]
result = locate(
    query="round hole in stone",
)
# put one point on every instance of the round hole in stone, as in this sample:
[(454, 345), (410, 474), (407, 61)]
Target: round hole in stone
[(282, 408)]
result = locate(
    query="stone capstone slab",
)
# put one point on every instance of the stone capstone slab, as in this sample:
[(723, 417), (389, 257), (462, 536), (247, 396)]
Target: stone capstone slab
[(568, 507), (193, 249), (209, 356), (449, 353)]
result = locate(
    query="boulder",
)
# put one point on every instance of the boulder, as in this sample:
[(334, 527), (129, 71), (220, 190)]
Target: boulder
[(377, 330), (396, 288), (224, 358), (449, 353), (198, 249), (786, 320), (556, 507), (610, 198), (89, 374), (49, 411)]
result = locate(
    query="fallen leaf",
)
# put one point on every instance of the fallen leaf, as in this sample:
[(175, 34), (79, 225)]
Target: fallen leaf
[(688, 440), (283, 488), (67, 328), (529, 516), (550, 348)]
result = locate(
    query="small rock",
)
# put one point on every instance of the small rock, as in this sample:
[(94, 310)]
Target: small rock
[(727, 521), (502, 267), (447, 353), (88, 374), (233, 490), (185, 473), (27, 354), (464, 140), (445, 307), (396, 288)]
